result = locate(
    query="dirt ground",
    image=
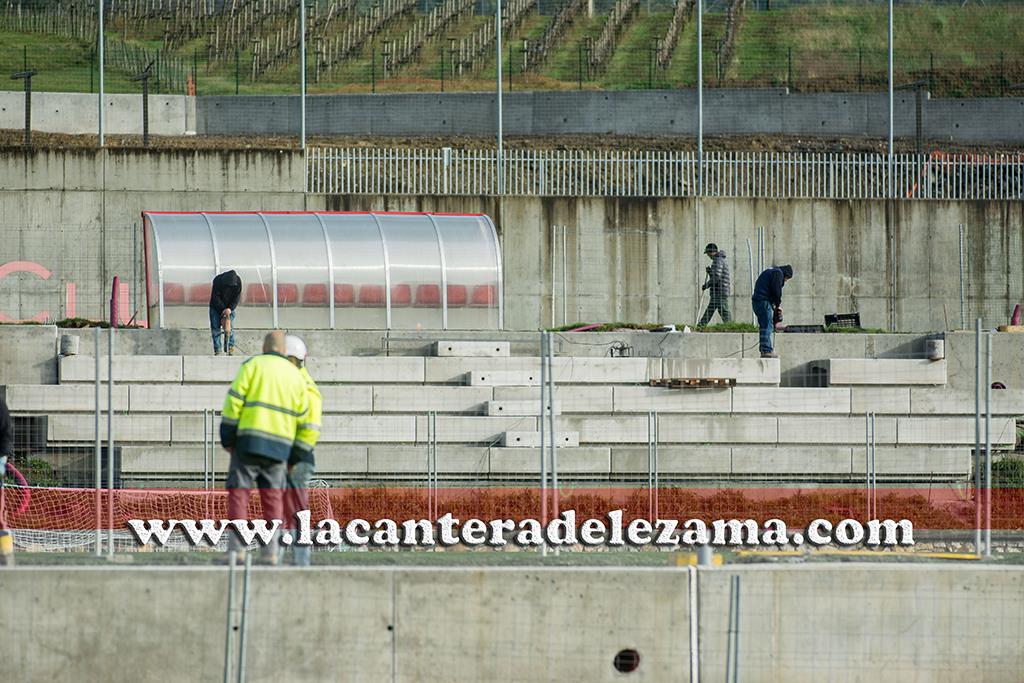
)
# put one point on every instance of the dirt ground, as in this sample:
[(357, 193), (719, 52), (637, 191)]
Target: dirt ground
[(14, 139)]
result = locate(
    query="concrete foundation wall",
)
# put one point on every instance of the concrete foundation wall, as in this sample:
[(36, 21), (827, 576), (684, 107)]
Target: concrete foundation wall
[(78, 113), (75, 214), (744, 111), (808, 623)]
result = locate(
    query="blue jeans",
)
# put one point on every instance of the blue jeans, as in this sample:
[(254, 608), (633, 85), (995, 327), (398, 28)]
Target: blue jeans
[(765, 322), (216, 331)]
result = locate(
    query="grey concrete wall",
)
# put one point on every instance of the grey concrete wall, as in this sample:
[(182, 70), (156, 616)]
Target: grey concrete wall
[(807, 623), (60, 112), (76, 213), (743, 111)]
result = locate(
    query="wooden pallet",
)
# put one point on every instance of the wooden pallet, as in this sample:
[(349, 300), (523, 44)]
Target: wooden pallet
[(692, 382)]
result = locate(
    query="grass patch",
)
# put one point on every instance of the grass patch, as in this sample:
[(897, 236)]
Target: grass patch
[(727, 327)]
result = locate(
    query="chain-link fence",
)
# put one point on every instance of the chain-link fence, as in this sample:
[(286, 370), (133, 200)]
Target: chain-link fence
[(64, 272), (661, 424)]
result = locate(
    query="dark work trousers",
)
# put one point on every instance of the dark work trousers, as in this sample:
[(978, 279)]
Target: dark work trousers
[(271, 477), (720, 302)]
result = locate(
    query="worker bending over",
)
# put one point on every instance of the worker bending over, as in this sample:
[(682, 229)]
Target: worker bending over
[(767, 300)]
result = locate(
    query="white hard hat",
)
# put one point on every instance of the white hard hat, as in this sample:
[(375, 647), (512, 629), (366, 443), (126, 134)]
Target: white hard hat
[(295, 347)]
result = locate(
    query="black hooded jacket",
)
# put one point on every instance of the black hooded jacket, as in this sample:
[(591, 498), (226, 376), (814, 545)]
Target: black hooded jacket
[(226, 291), (6, 433), (769, 284)]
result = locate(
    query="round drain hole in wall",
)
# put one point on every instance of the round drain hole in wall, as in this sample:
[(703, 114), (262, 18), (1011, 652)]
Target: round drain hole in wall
[(626, 661)]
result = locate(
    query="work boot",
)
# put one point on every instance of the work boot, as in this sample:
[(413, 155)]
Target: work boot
[(769, 354), (231, 351), (216, 352)]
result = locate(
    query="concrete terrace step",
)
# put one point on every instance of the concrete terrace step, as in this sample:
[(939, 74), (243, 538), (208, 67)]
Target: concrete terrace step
[(592, 461), (364, 369), (620, 429), (520, 439), (501, 400), (472, 349), (882, 371)]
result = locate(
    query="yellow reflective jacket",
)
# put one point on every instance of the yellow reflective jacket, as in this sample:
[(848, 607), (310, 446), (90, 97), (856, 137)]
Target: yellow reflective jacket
[(264, 406), (309, 427)]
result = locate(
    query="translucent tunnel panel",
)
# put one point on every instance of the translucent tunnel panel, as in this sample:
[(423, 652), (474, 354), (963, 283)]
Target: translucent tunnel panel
[(242, 246), (312, 270), (185, 267), (473, 272), (300, 251), (359, 274), (414, 260)]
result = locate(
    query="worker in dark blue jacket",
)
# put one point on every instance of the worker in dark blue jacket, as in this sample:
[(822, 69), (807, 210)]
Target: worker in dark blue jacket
[(766, 299)]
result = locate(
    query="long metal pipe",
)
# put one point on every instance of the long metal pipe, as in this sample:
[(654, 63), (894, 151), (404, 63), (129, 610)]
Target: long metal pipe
[(543, 464), (551, 432), (988, 444), (232, 556), (963, 299), (977, 437), (110, 440), (245, 616), (874, 472), (98, 459), (565, 277)]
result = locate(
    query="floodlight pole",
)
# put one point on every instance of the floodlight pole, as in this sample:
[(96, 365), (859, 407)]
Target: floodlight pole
[(99, 40), (302, 69), (27, 77), (497, 20), (892, 99), (700, 97)]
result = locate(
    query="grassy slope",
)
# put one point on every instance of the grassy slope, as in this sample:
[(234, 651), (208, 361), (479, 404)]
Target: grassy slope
[(829, 42)]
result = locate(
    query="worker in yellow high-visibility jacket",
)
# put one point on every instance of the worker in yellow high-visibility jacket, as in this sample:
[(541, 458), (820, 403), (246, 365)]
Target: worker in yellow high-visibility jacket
[(265, 405), (301, 464)]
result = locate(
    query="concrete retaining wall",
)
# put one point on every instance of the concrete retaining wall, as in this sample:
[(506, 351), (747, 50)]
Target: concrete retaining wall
[(75, 215), (805, 623), (78, 113), (28, 355), (743, 111)]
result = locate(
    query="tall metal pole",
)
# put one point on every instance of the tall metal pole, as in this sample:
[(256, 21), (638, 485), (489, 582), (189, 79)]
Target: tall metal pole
[(302, 71), (977, 437), (228, 630), (891, 106), (551, 431), (99, 39), (988, 444), (501, 173), (98, 460), (700, 97), (543, 464), (243, 629), (110, 440)]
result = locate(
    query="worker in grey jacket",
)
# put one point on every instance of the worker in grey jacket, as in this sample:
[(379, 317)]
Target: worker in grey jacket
[(718, 282)]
